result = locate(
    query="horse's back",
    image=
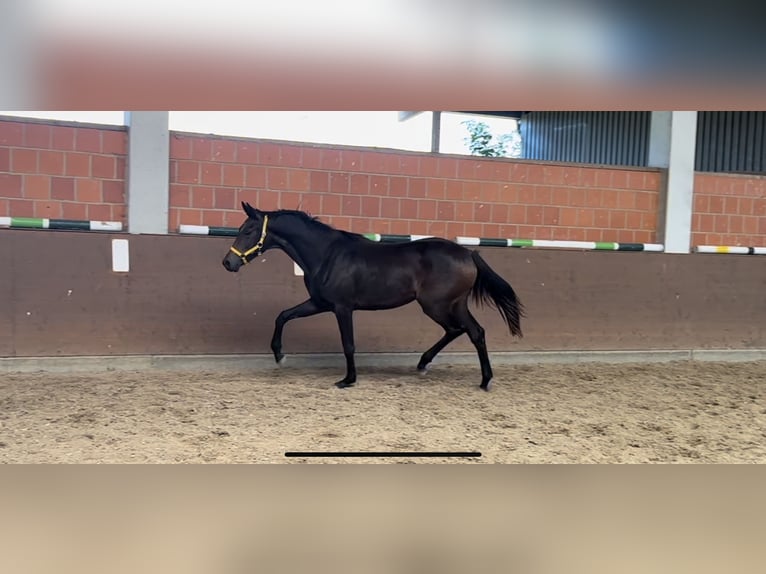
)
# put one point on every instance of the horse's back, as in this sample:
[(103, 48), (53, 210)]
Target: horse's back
[(434, 265), (429, 252), (429, 246)]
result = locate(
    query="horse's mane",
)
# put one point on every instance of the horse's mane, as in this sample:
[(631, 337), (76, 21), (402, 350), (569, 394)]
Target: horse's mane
[(314, 221)]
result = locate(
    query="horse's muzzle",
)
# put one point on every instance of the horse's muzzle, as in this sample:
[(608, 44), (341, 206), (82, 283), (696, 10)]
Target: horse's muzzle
[(230, 265)]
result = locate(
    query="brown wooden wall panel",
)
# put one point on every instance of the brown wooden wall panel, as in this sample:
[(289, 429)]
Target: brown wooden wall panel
[(60, 297), (6, 299)]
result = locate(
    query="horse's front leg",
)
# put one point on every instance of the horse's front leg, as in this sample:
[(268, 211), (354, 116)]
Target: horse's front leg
[(305, 309), (346, 326)]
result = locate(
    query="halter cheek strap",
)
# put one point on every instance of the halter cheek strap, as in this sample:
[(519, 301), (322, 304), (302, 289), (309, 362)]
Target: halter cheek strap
[(243, 255)]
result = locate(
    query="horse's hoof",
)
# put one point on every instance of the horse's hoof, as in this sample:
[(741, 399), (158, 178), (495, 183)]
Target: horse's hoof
[(485, 386), (423, 372), (344, 384), (281, 361)]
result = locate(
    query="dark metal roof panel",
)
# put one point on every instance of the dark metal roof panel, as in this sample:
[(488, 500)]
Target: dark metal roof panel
[(733, 141), (615, 138)]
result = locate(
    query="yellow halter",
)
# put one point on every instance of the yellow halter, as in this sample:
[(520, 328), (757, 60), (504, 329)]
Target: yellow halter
[(255, 248)]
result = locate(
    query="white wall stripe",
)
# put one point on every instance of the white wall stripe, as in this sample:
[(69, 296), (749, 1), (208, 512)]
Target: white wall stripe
[(120, 256), (5, 221)]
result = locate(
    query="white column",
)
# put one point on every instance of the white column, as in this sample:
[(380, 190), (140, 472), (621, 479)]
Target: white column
[(436, 131), (659, 139), (148, 171), (672, 145)]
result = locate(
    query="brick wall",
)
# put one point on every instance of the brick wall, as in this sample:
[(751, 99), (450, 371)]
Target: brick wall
[(367, 190), (74, 171), (55, 170), (729, 210)]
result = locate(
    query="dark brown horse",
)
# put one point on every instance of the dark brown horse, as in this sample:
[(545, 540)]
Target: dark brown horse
[(345, 271)]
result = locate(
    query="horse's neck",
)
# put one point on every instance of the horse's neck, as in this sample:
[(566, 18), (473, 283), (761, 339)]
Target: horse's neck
[(305, 245)]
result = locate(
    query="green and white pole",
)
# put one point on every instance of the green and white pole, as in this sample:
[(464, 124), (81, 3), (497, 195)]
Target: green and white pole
[(233, 231), (70, 224), (551, 244)]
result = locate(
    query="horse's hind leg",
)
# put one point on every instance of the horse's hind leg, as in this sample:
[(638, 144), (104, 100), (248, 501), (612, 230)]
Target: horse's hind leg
[(450, 335), (476, 334), (452, 330)]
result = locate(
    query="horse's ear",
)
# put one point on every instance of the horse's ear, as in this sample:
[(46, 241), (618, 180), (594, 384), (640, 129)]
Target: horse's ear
[(249, 210)]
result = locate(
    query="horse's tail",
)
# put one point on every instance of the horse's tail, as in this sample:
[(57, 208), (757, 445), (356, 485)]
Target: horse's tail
[(492, 289)]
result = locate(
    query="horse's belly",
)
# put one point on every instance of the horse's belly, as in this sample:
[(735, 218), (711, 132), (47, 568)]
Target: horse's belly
[(369, 287), (385, 291), (380, 303)]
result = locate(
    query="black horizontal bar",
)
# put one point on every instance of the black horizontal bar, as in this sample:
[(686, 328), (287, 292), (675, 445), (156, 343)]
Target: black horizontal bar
[(382, 454), (68, 224), (223, 231)]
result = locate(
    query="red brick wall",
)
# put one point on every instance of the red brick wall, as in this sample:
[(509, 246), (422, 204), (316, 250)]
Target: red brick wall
[(729, 210), (55, 170), (60, 170), (367, 190)]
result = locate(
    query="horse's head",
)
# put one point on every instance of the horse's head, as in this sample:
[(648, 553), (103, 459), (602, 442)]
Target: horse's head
[(250, 240)]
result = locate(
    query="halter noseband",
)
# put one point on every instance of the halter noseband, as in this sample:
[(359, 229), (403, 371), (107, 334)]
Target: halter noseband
[(255, 248)]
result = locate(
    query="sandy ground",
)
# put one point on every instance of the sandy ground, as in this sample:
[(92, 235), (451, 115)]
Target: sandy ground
[(588, 413)]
